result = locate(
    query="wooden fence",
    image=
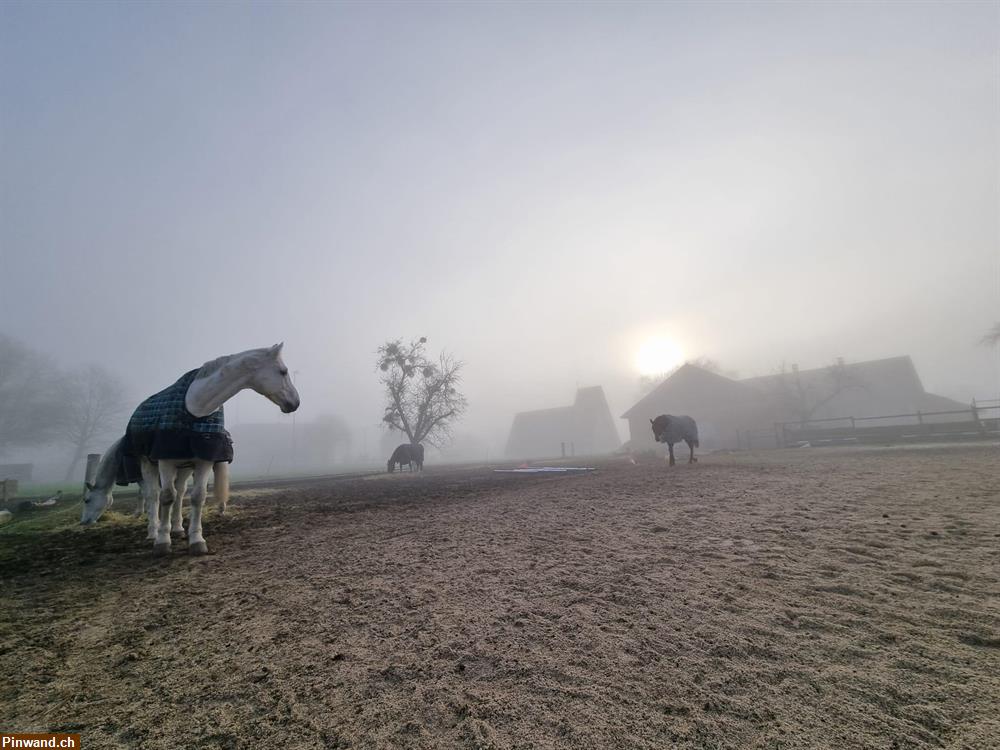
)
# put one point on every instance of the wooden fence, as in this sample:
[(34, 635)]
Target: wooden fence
[(981, 421), (748, 440)]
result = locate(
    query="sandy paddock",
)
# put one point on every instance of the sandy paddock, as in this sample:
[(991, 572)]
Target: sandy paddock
[(797, 599)]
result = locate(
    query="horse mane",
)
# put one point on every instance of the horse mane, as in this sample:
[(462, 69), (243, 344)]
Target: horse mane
[(107, 468), (213, 366)]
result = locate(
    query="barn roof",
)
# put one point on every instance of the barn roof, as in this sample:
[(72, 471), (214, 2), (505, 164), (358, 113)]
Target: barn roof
[(897, 372), (933, 402), (870, 388), (693, 382)]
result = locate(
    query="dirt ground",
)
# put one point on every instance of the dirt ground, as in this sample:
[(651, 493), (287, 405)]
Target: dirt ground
[(819, 598)]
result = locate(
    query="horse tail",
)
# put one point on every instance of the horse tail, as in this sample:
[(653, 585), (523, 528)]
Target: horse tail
[(220, 490)]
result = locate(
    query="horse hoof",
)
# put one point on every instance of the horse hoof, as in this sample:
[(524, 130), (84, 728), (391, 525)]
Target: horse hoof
[(198, 548), (163, 548), (177, 532)]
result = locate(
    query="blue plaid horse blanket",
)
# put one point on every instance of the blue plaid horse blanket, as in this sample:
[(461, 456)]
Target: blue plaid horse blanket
[(162, 428)]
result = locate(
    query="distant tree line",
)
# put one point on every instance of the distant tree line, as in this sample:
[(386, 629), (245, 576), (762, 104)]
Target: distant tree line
[(41, 403)]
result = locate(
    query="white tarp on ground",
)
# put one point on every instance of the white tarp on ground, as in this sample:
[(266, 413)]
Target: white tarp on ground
[(543, 469)]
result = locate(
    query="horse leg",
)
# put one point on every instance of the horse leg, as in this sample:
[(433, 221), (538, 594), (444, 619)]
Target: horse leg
[(220, 489), (140, 502), (196, 542), (177, 509), (168, 496), (150, 496), (692, 459), (670, 447)]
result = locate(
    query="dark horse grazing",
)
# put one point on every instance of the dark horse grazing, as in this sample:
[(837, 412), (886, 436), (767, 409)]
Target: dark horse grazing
[(407, 453), (669, 429)]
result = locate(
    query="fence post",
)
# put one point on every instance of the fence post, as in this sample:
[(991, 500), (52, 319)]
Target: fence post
[(9, 489), (91, 472), (563, 446), (981, 426)]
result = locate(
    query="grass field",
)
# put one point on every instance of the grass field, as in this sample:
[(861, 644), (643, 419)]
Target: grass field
[(47, 489)]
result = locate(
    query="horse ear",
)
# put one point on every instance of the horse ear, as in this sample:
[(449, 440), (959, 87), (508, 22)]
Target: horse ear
[(276, 349), (651, 421)]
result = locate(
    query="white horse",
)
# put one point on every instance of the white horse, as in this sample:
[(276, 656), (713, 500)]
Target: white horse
[(99, 495), (261, 370)]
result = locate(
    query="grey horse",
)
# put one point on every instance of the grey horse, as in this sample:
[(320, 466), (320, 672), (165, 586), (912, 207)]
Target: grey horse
[(670, 429)]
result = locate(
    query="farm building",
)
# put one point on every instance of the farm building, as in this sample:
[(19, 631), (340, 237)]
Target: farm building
[(723, 406), (719, 405), (585, 428)]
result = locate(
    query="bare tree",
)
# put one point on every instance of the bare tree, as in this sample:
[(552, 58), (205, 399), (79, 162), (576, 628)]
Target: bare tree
[(648, 383), (422, 396), (992, 337), (32, 396), (95, 405), (803, 398)]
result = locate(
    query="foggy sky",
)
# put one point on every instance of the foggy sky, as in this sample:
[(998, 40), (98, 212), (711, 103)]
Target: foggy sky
[(535, 188)]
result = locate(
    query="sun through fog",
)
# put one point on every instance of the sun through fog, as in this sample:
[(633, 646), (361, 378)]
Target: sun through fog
[(657, 355)]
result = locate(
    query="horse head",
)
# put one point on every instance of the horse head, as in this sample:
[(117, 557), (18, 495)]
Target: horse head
[(659, 426), (269, 377), (95, 501)]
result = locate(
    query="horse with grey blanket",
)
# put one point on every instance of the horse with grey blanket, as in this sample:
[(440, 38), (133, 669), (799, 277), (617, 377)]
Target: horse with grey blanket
[(409, 454), (670, 429)]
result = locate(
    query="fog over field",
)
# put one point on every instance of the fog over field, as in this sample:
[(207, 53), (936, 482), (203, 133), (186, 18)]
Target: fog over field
[(559, 195)]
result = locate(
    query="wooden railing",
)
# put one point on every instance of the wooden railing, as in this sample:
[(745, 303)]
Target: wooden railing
[(981, 421)]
